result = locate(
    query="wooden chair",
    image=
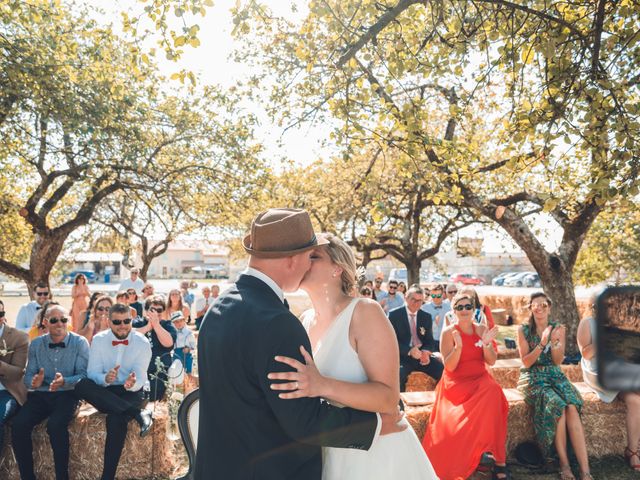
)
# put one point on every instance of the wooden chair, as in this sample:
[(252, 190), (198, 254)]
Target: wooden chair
[(188, 416)]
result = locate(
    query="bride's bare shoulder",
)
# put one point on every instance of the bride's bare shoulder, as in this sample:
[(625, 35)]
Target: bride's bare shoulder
[(367, 310)]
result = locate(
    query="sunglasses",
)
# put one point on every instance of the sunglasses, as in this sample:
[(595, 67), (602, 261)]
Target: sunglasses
[(540, 305), (42, 294), (467, 306), (452, 292), (436, 295), (54, 320), (157, 309), (126, 321), (102, 309), (392, 287)]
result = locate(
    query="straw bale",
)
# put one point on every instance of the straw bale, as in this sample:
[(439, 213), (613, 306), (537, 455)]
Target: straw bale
[(141, 457), (420, 382), (604, 424)]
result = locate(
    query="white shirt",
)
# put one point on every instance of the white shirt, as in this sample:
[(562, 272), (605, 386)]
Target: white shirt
[(127, 283), (134, 357), (266, 279), (26, 315), (204, 302), (185, 338)]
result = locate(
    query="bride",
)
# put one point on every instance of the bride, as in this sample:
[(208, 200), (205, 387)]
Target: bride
[(356, 365)]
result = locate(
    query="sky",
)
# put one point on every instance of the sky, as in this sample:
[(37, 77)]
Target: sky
[(211, 62)]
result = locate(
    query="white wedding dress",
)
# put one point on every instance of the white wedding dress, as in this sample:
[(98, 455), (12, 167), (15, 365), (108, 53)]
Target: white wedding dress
[(399, 455)]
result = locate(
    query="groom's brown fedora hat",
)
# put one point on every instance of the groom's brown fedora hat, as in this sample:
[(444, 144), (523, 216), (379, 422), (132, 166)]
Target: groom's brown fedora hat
[(281, 232)]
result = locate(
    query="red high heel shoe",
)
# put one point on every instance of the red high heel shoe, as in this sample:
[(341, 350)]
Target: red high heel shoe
[(629, 454)]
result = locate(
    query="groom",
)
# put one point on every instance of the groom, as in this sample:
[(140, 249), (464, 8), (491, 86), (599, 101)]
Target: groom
[(246, 431)]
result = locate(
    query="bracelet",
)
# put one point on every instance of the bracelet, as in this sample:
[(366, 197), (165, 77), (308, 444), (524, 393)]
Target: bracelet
[(487, 345), (541, 347)]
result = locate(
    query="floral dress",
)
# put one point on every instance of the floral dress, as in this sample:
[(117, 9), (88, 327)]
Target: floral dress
[(547, 390)]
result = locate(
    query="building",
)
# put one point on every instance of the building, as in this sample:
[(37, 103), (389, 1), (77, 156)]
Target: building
[(106, 266), (191, 259)]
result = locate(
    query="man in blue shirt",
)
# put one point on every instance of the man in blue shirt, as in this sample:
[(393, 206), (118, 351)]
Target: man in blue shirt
[(28, 311), (394, 299), (57, 361), (438, 308)]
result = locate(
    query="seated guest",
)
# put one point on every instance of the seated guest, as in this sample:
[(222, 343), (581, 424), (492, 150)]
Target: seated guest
[(437, 309), (415, 338), (134, 302), (39, 328), (185, 342), (57, 362), (377, 288), (451, 291), (28, 311), (393, 299), (366, 292), (116, 375), (482, 314), (402, 288), (175, 304), (586, 342), (556, 402), (469, 416), (98, 318), (14, 349), (123, 297), (162, 337)]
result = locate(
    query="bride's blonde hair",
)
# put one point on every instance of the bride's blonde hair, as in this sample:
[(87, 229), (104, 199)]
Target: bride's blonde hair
[(341, 254)]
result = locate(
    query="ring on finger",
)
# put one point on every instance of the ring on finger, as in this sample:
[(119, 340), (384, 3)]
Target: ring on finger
[(296, 386)]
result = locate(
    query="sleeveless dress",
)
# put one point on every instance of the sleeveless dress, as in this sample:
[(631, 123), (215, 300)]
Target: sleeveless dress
[(590, 371), (547, 390), (469, 416), (398, 455)]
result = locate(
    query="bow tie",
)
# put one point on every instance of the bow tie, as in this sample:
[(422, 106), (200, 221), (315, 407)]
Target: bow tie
[(438, 307), (57, 345), (118, 342)]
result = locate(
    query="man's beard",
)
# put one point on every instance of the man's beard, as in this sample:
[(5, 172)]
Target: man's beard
[(121, 337)]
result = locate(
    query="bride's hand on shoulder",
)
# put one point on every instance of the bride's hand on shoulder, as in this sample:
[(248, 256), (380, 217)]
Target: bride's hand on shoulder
[(306, 381)]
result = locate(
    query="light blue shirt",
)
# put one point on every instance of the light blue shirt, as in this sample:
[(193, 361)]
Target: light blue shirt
[(439, 312), (70, 361), (133, 357), (393, 301), (26, 315), (185, 338)]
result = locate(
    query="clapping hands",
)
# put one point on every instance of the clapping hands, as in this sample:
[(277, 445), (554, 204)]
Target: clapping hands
[(57, 382), (130, 381), (457, 339), (38, 378), (544, 339), (489, 335), (111, 375)]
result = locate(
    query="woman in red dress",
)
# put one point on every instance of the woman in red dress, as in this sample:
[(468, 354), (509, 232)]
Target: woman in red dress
[(469, 416)]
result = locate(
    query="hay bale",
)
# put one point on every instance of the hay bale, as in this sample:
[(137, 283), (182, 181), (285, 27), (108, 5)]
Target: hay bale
[(191, 382), (141, 457), (604, 424), (420, 382)]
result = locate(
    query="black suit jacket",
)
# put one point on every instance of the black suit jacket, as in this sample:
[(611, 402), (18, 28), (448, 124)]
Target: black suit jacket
[(424, 326), (245, 430)]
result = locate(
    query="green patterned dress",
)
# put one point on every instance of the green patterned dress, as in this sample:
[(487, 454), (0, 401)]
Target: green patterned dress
[(548, 391)]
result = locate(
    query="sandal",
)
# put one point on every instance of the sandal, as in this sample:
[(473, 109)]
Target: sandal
[(629, 454), (487, 462), (565, 473), (586, 476), (501, 470)]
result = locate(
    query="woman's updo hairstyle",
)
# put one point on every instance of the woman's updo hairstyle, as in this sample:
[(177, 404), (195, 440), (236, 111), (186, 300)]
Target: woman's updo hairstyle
[(341, 254)]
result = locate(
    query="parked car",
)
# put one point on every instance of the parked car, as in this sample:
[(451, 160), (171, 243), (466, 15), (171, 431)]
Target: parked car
[(532, 280), (499, 280), (517, 280), (69, 277), (466, 279)]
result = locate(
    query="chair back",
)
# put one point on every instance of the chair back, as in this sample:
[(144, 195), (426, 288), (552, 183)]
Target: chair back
[(188, 418)]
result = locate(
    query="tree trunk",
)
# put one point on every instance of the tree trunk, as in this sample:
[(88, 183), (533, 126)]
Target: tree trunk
[(146, 263), (413, 270), (560, 289), (44, 254)]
